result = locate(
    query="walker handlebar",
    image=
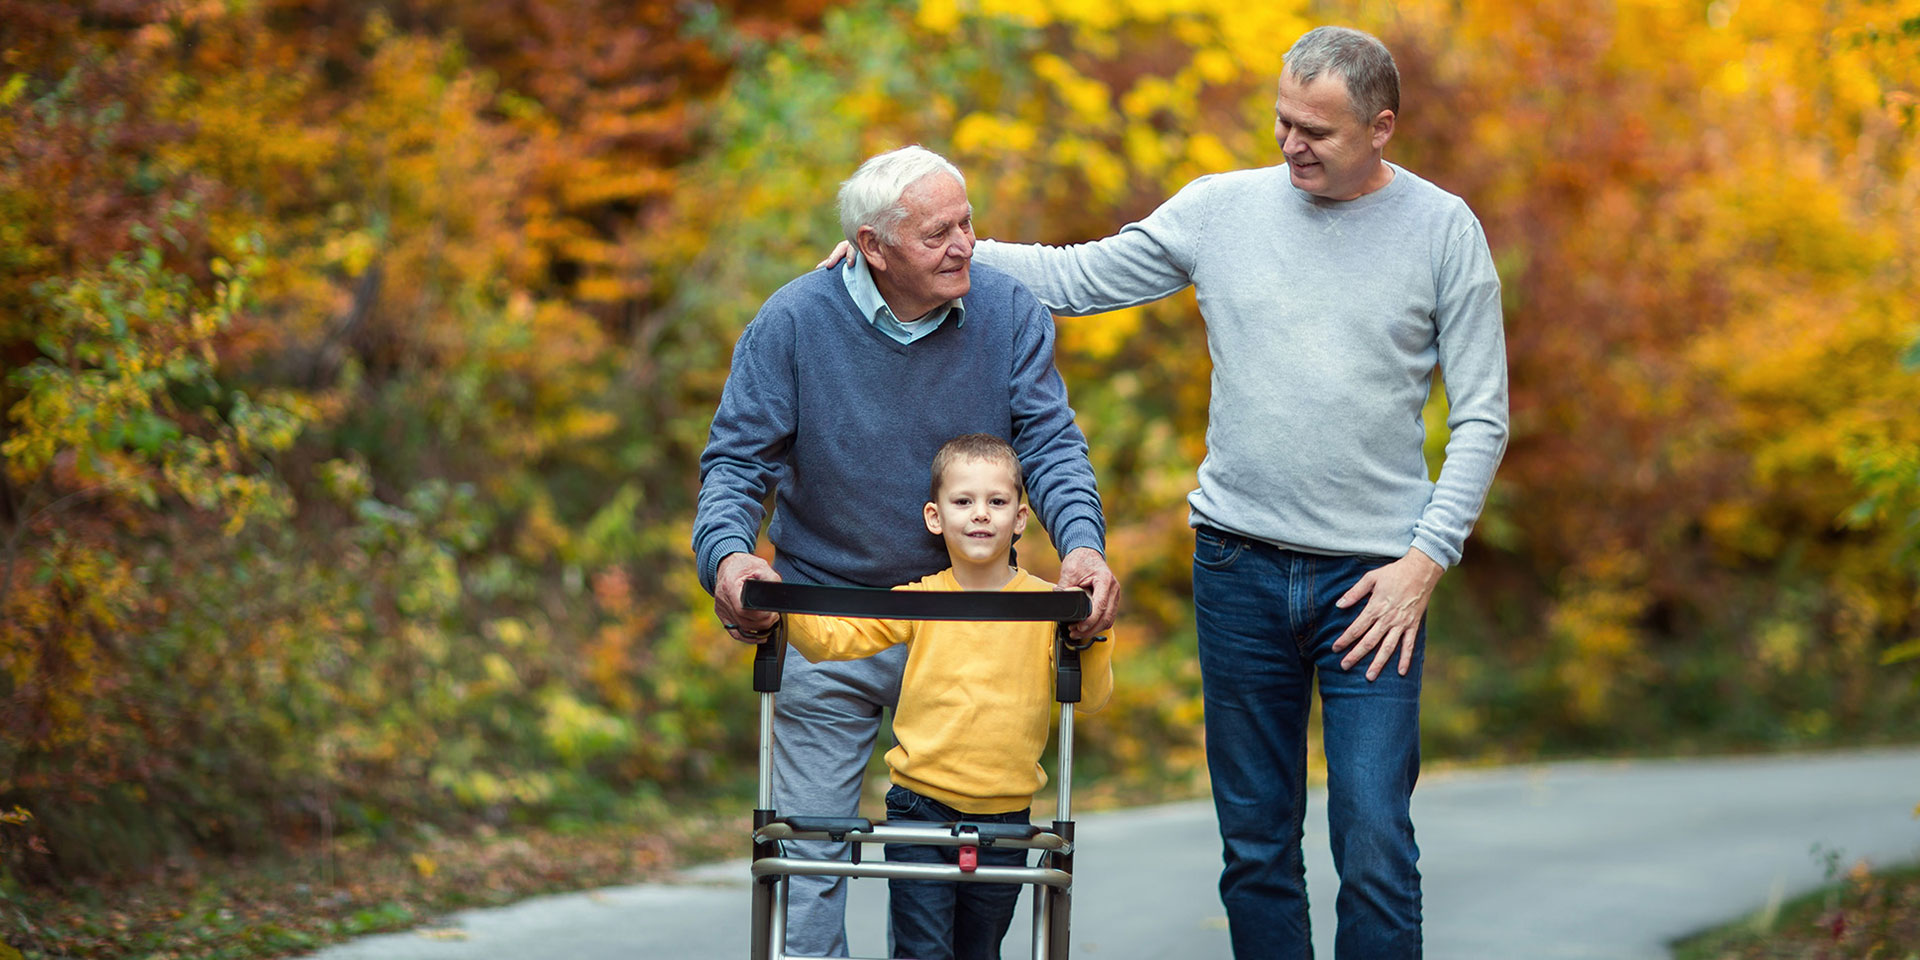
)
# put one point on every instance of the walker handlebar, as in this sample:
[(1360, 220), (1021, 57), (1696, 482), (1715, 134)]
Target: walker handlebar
[(1058, 606), (1055, 606)]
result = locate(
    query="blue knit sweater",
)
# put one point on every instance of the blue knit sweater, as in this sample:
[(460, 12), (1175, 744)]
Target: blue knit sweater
[(843, 423)]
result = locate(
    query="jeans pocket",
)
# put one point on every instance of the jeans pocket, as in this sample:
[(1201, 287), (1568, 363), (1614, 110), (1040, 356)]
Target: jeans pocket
[(1213, 551), (901, 804)]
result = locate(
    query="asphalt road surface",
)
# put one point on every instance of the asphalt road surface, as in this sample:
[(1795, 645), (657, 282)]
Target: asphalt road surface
[(1596, 861)]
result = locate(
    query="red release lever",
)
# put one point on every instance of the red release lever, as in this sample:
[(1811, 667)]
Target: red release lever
[(969, 858)]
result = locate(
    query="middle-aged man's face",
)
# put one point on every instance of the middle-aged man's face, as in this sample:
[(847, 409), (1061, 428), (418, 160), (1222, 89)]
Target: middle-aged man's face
[(928, 264), (1330, 152)]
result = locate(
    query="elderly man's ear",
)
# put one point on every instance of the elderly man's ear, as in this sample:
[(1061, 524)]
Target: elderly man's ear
[(872, 249)]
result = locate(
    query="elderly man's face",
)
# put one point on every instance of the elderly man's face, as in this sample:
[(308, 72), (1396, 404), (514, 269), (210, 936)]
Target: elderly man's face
[(1330, 152), (927, 265)]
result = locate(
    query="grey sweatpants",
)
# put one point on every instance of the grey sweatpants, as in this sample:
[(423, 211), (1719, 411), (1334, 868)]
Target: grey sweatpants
[(826, 717)]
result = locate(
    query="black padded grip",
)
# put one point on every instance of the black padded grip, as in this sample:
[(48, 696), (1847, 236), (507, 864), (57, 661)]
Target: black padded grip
[(1069, 606)]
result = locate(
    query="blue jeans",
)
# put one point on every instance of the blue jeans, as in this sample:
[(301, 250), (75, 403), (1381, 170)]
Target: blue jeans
[(942, 920), (1267, 624)]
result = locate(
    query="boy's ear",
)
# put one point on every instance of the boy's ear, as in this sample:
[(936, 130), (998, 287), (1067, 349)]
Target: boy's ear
[(1020, 520), (932, 514)]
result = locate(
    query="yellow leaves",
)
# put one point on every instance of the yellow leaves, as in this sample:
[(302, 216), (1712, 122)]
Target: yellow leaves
[(1100, 336), (1216, 66), (429, 583), (1781, 645), (1257, 35), (1596, 623), (541, 532), (1150, 95), (482, 788), (1146, 152), (1097, 15), (1733, 79), (119, 341), (1033, 13), (1104, 173), (994, 134), (600, 184), (352, 251), (1088, 100), (511, 632), (938, 16), (424, 865), (579, 732)]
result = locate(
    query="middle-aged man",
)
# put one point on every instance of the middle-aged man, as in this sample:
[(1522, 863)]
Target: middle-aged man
[(841, 391), (1330, 289)]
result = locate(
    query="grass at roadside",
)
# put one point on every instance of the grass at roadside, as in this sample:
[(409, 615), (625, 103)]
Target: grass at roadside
[(1864, 915), (301, 900), (305, 899)]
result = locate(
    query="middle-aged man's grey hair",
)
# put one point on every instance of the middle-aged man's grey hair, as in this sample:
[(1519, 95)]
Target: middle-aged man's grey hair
[(1373, 82), (871, 197)]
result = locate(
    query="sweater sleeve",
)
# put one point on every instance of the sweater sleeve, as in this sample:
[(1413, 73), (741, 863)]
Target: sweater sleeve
[(844, 638), (1052, 450), (1473, 367), (1146, 260), (1096, 676), (747, 445)]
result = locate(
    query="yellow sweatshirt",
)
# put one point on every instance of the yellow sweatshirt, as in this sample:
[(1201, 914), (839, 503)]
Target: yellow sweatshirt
[(975, 700)]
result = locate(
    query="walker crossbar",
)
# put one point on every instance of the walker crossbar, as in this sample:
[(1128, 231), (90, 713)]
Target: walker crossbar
[(961, 834), (1052, 879), (768, 867)]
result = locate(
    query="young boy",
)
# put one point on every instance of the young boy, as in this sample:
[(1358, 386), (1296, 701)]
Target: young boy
[(975, 702)]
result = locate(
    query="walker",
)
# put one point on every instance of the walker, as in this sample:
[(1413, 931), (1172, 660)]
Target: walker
[(1052, 879)]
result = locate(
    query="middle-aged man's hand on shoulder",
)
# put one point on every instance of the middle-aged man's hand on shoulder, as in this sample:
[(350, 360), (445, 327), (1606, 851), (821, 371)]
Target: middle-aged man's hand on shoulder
[(841, 251), (732, 576), (1390, 622), (1086, 569)]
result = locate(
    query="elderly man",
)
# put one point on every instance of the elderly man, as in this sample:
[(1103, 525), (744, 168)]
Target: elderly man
[(842, 389), (1330, 287)]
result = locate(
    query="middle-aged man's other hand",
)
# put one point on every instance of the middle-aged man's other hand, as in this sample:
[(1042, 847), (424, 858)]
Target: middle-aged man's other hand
[(733, 575), (1391, 620), (841, 251), (1086, 569)]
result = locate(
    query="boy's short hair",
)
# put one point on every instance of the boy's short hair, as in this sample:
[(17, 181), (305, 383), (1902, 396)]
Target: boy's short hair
[(976, 446)]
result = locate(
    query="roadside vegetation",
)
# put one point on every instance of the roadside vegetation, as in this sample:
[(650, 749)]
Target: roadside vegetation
[(1863, 915)]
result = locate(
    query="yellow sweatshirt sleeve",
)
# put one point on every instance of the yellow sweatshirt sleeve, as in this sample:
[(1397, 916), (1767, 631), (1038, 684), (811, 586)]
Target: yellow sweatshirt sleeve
[(844, 638), (1096, 675)]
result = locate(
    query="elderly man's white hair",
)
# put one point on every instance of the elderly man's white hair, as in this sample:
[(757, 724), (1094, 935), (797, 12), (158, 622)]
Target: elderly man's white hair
[(871, 197)]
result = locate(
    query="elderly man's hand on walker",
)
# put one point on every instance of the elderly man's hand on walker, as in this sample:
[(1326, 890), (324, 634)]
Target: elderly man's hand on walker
[(1086, 569), (1391, 620), (732, 576)]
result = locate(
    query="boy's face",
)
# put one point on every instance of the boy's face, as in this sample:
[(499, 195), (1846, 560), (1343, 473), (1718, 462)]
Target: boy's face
[(978, 513)]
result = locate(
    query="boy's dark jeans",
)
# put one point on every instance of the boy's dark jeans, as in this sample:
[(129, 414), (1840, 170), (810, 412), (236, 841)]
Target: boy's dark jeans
[(941, 920)]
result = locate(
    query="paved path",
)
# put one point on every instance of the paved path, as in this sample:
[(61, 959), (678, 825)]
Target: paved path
[(1596, 861)]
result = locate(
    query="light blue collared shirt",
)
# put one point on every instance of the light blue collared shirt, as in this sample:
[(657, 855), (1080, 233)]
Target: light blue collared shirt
[(873, 306)]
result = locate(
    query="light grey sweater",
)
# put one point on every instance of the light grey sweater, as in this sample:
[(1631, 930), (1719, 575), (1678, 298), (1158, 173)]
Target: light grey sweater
[(1325, 320)]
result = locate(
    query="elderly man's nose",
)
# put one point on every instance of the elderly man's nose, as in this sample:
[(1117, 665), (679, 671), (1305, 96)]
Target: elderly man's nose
[(962, 245)]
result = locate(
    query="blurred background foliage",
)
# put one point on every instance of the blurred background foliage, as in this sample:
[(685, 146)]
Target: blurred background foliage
[(358, 356)]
